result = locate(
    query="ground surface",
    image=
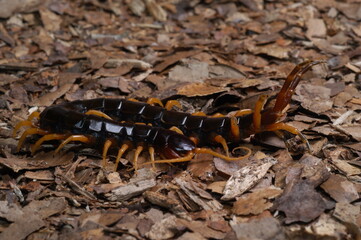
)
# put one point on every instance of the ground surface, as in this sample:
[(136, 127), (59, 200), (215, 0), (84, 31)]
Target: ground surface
[(212, 56)]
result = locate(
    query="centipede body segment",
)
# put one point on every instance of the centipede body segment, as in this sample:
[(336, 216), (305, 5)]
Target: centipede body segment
[(115, 123)]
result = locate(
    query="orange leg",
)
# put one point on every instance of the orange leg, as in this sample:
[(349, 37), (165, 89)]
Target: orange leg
[(169, 105), (120, 154), (242, 112), (227, 158), (132, 100), (174, 160), (79, 138), (47, 137), (29, 131), (177, 130), (235, 129), (33, 115), (221, 140), (195, 140), (257, 112), (190, 155), (152, 101), (27, 122), (98, 113), (217, 115), (151, 154), (21, 124), (202, 114), (136, 155), (288, 128), (108, 143)]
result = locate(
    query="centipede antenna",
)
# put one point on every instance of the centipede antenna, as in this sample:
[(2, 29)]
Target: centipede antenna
[(108, 143), (29, 131), (227, 158), (136, 155), (221, 140), (120, 154), (152, 101), (21, 124), (98, 113), (169, 105), (80, 138), (47, 137)]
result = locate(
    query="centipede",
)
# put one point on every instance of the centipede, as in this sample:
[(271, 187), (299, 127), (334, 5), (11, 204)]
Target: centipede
[(175, 136)]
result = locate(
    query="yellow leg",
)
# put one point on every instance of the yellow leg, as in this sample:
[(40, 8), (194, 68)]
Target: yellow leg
[(257, 112), (29, 131), (47, 137), (136, 155), (79, 138), (120, 154), (132, 100), (221, 140), (152, 101), (108, 143), (177, 130), (199, 114), (243, 112), (151, 154), (169, 105), (98, 113)]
